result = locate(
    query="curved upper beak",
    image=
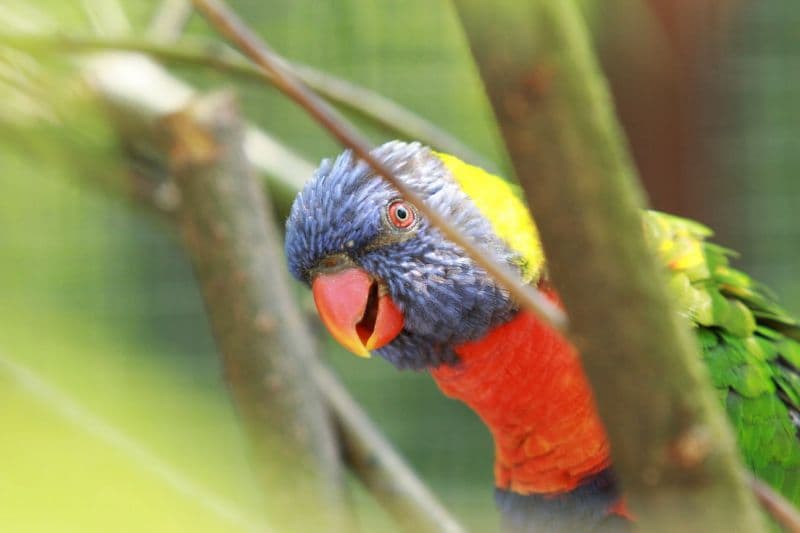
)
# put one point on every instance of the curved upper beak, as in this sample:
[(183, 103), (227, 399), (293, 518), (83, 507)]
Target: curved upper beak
[(353, 309)]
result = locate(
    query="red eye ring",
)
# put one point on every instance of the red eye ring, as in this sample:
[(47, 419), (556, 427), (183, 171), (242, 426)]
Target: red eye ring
[(401, 214)]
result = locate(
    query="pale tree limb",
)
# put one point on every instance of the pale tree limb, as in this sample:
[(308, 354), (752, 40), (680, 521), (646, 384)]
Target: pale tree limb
[(229, 25), (119, 80), (227, 229), (778, 507), (169, 21), (374, 107), (568, 151), (139, 92)]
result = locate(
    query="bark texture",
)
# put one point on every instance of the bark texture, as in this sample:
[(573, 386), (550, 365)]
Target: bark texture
[(223, 221), (557, 119)]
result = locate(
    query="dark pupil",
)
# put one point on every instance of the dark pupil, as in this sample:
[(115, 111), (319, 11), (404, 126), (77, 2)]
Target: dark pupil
[(401, 213)]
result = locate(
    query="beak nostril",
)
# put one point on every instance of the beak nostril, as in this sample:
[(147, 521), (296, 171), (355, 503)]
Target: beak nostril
[(333, 263)]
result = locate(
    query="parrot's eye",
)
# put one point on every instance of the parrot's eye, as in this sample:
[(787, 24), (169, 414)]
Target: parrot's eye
[(401, 214)]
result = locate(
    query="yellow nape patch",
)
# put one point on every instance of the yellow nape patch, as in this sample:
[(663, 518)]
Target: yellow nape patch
[(500, 202)]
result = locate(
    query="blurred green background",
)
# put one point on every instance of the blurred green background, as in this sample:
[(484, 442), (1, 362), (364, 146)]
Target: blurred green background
[(113, 412)]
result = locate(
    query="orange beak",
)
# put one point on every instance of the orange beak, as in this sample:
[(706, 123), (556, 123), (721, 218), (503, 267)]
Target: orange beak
[(352, 308)]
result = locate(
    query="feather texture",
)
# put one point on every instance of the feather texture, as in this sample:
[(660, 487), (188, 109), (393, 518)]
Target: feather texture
[(747, 341), (501, 203)]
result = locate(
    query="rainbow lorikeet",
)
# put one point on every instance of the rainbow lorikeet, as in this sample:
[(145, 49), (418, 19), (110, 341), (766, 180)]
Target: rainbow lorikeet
[(384, 280)]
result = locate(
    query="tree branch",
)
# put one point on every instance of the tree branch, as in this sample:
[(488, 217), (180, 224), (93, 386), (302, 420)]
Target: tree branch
[(229, 25), (138, 92), (778, 507), (170, 19), (568, 152), (379, 467), (266, 346), (119, 80), (363, 102), (141, 93), (222, 218)]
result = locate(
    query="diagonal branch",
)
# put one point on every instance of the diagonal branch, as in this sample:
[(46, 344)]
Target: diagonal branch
[(570, 157), (136, 113), (778, 507), (223, 220), (268, 353), (370, 105), (229, 25), (169, 20), (386, 475), (119, 79)]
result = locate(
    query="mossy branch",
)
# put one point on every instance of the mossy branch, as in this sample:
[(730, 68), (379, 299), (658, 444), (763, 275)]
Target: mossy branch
[(223, 220), (118, 79), (138, 116), (267, 349), (569, 154)]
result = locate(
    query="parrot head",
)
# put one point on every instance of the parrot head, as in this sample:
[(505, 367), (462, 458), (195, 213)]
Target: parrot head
[(383, 278)]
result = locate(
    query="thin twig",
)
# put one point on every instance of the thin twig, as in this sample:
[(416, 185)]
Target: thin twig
[(368, 104), (385, 112), (387, 476), (170, 19), (69, 409), (778, 507), (228, 24)]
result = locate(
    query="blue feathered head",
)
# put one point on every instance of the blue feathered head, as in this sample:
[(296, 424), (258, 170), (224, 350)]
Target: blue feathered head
[(385, 279)]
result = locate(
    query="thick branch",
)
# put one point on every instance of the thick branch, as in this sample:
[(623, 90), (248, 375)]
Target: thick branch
[(266, 347), (118, 78), (222, 218), (372, 459), (652, 392)]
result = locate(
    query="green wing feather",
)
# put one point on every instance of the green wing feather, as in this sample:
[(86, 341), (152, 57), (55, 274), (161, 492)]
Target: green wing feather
[(751, 346)]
